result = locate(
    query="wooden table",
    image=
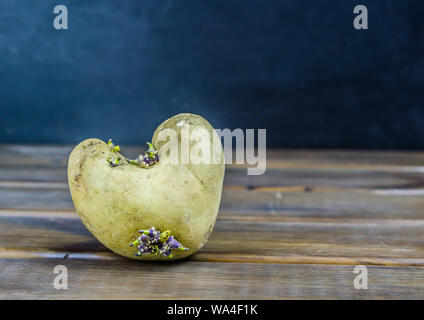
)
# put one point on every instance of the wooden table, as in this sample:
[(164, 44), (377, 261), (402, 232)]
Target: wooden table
[(297, 231)]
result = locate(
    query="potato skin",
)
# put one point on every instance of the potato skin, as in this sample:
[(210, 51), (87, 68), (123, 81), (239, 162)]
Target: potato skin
[(115, 202)]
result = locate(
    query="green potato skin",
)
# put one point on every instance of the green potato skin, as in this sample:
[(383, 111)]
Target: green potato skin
[(115, 202)]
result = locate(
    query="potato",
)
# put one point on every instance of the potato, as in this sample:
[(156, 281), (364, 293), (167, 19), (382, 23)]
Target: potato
[(115, 202)]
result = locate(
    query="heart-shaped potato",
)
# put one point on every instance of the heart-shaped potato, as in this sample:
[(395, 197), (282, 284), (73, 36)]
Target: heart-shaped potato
[(115, 202)]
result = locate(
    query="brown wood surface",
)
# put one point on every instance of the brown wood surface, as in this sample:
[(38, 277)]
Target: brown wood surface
[(295, 232)]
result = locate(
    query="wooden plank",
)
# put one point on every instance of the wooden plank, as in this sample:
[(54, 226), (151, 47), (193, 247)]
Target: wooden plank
[(46, 155), (56, 155), (325, 178), (327, 203), (24, 155), (123, 279), (295, 232), (11, 174), (238, 240), (19, 163), (279, 204)]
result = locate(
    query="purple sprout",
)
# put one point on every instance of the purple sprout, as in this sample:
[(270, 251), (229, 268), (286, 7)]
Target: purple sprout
[(174, 244), (153, 241), (149, 158)]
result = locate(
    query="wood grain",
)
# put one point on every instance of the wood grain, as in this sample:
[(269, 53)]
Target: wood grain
[(294, 232), (238, 177), (281, 204), (57, 155), (239, 240), (123, 279)]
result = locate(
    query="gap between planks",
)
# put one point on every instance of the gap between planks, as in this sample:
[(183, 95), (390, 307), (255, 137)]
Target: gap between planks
[(285, 189), (282, 164), (224, 216)]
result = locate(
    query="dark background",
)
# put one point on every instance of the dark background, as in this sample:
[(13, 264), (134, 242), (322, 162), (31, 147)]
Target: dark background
[(295, 67)]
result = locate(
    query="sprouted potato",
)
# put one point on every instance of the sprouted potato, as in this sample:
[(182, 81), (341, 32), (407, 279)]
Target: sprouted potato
[(150, 208)]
